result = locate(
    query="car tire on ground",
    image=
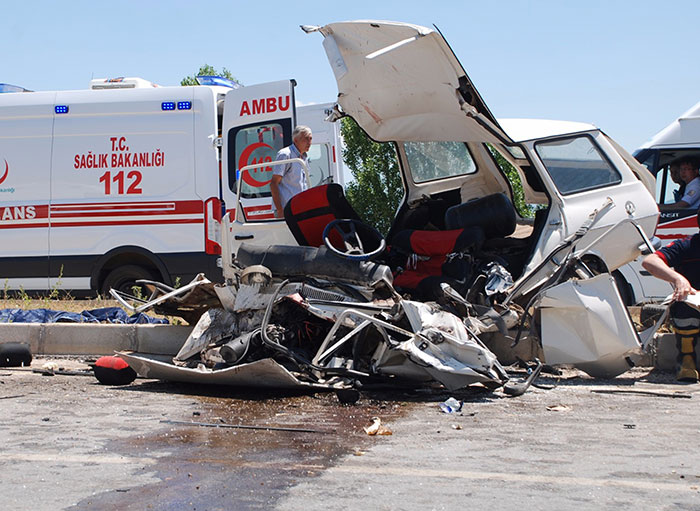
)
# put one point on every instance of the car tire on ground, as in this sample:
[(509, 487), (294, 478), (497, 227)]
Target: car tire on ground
[(15, 354)]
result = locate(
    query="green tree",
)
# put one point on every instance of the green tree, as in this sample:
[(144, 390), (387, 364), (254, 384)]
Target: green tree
[(524, 209), (207, 70), (377, 189)]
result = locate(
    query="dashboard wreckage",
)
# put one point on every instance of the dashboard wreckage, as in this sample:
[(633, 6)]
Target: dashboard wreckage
[(463, 281)]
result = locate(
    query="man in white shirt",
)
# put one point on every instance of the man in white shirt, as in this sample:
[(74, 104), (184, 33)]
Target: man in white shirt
[(290, 179)]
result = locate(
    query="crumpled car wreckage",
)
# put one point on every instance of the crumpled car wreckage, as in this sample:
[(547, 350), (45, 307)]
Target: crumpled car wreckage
[(463, 278), (310, 331)]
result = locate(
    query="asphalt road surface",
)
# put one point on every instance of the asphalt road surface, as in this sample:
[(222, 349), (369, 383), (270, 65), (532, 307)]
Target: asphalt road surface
[(69, 443)]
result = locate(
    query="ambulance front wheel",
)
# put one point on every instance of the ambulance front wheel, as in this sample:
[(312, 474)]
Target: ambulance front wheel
[(123, 279)]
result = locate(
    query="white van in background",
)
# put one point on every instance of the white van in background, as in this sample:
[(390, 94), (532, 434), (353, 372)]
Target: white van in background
[(677, 141), (128, 180)]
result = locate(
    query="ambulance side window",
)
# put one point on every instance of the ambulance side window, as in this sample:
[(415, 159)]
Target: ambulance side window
[(319, 164), (256, 144), (665, 187)]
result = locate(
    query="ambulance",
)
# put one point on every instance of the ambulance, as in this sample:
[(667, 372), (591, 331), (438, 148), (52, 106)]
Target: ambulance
[(677, 141), (128, 180)]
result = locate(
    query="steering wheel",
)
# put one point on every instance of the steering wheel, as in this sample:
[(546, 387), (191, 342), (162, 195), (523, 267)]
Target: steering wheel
[(349, 231)]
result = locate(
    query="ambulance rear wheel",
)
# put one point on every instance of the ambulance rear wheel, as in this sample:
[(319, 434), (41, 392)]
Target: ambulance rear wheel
[(123, 279)]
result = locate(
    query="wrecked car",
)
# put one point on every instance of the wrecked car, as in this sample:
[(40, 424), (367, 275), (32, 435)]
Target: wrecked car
[(469, 275)]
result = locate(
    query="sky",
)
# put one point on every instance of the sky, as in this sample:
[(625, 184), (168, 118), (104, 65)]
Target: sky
[(626, 66)]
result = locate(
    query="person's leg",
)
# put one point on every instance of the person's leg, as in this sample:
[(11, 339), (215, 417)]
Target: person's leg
[(686, 326)]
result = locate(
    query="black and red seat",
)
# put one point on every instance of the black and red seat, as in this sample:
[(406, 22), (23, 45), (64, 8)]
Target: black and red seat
[(308, 213), (435, 257)]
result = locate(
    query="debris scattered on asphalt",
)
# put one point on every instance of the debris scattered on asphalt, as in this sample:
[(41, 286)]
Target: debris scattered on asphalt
[(680, 395), (64, 372), (377, 428), (348, 396), (50, 366), (243, 426), (451, 406), (515, 389), (110, 370), (558, 408)]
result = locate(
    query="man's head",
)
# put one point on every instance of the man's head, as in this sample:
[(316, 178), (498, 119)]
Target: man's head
[(301, 136), (688, 170)]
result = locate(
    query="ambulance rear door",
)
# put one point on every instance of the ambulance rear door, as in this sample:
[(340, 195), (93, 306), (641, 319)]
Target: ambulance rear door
[(258, 122)]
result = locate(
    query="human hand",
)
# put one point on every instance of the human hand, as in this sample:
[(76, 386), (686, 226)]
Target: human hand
[(682, 288)]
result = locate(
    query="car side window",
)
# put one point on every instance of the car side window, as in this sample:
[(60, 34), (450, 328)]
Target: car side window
[(576, 164)]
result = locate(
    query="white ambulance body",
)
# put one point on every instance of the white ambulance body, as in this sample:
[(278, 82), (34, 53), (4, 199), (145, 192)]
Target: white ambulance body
[(101, 187), (677, 141)]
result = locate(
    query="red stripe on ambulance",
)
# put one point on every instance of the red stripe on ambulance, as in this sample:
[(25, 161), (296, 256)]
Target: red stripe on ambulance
[(101, 214), (126, 209)]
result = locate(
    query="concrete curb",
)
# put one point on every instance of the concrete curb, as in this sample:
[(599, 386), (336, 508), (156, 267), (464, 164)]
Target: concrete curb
[(92, 339)]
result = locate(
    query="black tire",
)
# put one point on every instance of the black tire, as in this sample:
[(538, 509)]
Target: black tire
[(123, 279), (15, 354), (650, 313)]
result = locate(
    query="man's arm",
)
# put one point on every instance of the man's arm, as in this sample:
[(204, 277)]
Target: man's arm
[(675, 205), (275, 191), (659, 269)]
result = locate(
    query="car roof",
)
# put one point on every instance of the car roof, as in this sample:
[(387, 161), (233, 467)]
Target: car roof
[(521, 130)]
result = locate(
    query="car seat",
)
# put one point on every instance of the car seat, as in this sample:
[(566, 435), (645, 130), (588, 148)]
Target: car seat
[(308, 213), (450, 256), (494, 213), (430, 258)]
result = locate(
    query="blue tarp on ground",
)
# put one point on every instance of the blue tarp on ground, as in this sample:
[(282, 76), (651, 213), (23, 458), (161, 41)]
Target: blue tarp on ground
[(105, 315)]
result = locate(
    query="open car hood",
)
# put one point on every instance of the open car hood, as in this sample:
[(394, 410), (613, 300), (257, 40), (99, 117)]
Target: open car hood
[(402, 82)]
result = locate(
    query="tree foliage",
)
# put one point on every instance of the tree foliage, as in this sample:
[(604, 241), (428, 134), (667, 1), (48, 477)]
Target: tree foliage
[(207, 70), (524, 209), (377, 189)]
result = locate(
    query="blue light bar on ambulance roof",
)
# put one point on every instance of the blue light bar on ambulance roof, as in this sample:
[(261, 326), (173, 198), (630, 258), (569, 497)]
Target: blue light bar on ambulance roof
[(61, 109), (218, 80), (184, 105), (167, 105)]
